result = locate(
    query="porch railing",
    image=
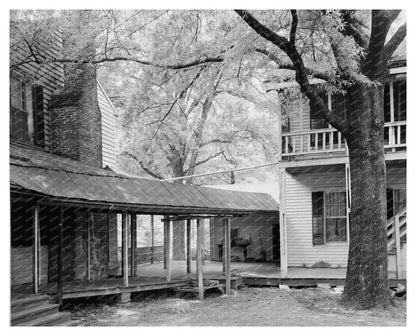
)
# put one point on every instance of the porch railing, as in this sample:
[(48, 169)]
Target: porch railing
[(312, 141), (395, 136), (330, 140)]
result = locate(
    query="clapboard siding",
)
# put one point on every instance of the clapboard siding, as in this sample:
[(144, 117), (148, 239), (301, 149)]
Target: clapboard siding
[(107, 127), (298, 213), (298, 210)]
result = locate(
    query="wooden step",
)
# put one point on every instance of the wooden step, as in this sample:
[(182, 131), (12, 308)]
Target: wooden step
[(71, 323), (56, 319), (28, 302), (33, 313)]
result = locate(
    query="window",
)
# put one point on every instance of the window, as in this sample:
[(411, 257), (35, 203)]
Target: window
[(26, 111), (329, 217)]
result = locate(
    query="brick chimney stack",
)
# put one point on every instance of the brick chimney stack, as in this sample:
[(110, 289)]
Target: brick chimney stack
[(76, 117)]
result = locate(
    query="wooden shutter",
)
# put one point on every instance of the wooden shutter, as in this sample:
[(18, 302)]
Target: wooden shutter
[(38, 116), (318, 218)]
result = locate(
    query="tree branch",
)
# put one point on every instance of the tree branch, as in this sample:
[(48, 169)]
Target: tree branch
[(293, 26), (146, 169), (301, 72), (208, 159), (351, 30), (179, 66), (394, 42)]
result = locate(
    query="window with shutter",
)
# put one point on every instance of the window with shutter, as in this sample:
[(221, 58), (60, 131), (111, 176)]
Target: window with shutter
[(38, 116), (27, 121)]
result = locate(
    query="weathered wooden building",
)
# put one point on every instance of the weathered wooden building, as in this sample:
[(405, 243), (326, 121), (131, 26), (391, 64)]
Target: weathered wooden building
[(66, 208), (314, 178)]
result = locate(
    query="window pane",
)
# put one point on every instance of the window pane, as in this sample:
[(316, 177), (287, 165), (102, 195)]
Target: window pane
[(318, 218), (336, 229), (335, 204)]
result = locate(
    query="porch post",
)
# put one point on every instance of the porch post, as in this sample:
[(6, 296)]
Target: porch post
[(227, 254), (125, 259), (60, 255), (398, 250), (152, 228), (188, 246), (168, 257), (164, 242), (35, 263), (282, 220), (199, 247), (89, 224), (133, 239)]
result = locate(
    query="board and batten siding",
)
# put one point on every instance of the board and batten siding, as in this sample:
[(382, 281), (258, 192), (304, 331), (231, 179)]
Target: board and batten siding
[(107, 127), (298, 213), (50, 75)]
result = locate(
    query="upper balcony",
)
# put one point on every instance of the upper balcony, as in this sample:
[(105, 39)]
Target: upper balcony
[(328, 143)]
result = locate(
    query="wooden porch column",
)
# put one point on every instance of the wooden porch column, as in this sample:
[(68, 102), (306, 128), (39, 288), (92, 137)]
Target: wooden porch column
[(133, 244), (168, 256), (60, 255), (89, 224), (188, 246), (199, 249), (398, 250), (227, 254), (152, 229), (35, 261), (125, 260), (164, 242), (282, 220)]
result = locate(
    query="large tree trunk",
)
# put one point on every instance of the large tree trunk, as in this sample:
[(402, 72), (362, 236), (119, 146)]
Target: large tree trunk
[(367, 277)]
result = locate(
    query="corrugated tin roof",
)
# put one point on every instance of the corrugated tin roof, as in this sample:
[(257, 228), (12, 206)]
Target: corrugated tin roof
[(66, 179)]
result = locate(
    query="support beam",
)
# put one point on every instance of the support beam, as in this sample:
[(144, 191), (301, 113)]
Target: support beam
[(227, 254), (199, 251), (125, 260), (168, 248), (188, 246), (152, 229), (60, 255), (35, 250), (133, 244), (164, 241), (398, 249), (89, 225), (282, 220)]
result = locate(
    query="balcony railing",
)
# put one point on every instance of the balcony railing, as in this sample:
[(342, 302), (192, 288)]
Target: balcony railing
[(329, 140)]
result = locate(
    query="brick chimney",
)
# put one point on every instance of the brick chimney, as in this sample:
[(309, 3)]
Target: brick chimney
[(76, 118)]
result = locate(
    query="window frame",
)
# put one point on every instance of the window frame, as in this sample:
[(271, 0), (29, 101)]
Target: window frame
[(323, 217)]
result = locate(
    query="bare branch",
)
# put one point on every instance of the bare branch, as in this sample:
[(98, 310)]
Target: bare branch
[(207, 159), (179, 66), (145, 168), (293, 26)]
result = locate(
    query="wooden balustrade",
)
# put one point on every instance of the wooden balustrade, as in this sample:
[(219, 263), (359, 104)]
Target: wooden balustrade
[(329, 140)]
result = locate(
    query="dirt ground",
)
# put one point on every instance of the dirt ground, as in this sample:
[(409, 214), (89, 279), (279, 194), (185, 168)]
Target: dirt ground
[(246, 307)]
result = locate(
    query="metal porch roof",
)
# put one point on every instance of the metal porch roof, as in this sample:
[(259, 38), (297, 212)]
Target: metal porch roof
[(33, 170)]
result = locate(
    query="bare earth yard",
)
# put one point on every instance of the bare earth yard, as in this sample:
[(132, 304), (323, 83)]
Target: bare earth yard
[(247, 307)]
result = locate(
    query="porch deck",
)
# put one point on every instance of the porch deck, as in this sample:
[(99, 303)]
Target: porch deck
[(152, 277)]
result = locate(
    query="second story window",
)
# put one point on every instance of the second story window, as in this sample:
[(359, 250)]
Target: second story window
[(26, 111)]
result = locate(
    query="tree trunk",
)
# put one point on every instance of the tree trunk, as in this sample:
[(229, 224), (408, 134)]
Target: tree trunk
[(367, 276)]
